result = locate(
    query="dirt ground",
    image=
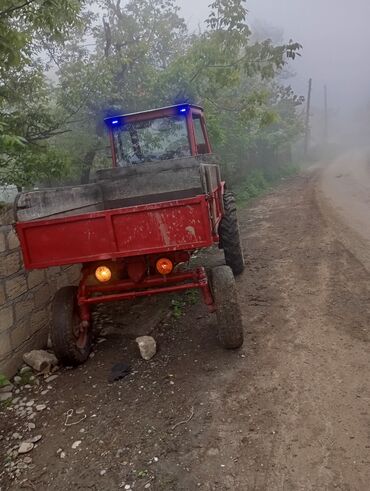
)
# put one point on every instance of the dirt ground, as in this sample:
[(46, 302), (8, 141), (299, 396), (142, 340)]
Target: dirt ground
[(289, 411)]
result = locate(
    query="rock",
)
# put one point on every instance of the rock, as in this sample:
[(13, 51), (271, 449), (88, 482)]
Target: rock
[(30, 403), (103, 472), (24, 370), (62, 455), (40, 407), (80, 410), (44, 392), (35, 439), (40, 360), (6, 388), (51, 378), (25, 447), (147, 347), (27, 460), (31, 426), (5, 396), (17, 379), (16, 436), (76, 444)]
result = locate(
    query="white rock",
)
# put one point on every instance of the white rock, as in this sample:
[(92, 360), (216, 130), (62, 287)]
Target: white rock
[(30, 403), (103, 472), (147, 347), (16, 436), (24, 370), (27, 460), (17, 379), (31, 426), (40, 407), (40, 360), (5, 396), (62, 455), (51, 378), (76, 444), (35, 439), (6, 388), (25, 447)]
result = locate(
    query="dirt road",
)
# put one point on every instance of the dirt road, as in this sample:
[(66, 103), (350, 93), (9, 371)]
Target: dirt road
[(290, 411)]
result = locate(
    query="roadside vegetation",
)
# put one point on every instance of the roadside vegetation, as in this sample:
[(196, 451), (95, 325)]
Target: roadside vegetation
[(66, 65), (259, 181)]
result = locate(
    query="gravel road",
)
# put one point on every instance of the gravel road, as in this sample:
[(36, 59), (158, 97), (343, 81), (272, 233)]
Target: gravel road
[(289, 411)]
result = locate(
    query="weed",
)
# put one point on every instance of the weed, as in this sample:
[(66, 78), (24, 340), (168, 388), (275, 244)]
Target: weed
[(179, 304), (178, 308), (143, 474), (3, 380)]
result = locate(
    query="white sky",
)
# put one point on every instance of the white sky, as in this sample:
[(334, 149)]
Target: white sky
[(335, 35)]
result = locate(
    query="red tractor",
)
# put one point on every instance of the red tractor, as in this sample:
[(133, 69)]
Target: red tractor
[(136, 227)]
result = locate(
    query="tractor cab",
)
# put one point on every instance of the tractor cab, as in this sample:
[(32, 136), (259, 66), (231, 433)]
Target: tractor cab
[(159, 134)]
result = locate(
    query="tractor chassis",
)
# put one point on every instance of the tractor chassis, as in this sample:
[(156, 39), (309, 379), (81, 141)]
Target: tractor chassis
[(129, 289)]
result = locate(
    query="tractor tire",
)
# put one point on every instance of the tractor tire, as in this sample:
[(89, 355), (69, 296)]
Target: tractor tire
[(229, 317), (230, 236), (70, 346)]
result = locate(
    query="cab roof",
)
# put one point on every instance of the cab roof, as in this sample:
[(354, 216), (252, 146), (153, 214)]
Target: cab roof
[(149, 114)]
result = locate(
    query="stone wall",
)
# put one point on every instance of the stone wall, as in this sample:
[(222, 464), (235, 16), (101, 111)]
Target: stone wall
[(25, 299)]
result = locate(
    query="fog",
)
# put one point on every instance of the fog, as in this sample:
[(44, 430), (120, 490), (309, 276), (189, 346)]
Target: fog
[(336, 38)]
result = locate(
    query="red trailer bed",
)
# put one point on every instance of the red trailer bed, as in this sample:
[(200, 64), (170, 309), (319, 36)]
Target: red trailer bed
[(178, 225)]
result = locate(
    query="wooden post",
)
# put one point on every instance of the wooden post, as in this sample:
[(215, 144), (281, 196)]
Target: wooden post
[(307, 123)]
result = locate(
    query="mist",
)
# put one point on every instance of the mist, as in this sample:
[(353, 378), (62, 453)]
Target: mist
[(335, 39)]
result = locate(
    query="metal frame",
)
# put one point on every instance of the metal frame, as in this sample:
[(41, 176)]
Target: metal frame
[(151, 285)]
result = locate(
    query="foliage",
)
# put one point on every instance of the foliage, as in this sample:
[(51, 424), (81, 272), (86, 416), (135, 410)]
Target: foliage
[(139, 55), (258, 181), (28, 117)]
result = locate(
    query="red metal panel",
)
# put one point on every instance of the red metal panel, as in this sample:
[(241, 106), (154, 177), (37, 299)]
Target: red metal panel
[(124, 232)]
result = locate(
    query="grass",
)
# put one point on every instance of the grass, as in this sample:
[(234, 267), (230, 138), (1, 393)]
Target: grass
[(181, 301), (260, 180)]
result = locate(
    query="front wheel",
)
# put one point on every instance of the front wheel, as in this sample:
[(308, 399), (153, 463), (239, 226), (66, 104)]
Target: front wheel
[(72, 345), (229, 317)]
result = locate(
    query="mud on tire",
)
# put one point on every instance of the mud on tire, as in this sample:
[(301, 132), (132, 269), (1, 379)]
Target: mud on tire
[(230, 236), (229, 318), (70, 347)]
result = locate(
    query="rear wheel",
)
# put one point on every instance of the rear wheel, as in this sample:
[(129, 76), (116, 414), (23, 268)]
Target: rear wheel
[(72, 345), (229, 318), (230, 236)]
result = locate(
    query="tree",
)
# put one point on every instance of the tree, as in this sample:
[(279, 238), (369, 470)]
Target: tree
[(28, 116)]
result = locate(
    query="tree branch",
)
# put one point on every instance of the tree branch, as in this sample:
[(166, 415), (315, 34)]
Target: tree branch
[(17, 7)]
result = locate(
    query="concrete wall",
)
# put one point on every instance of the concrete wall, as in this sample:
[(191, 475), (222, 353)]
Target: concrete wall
[(25, 299)]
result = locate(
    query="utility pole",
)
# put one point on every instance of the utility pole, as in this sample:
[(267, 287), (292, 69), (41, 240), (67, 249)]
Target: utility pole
[(307, 123), (326, 127)]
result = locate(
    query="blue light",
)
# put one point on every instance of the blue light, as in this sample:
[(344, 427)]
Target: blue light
[(183, 110), (115, 121)]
